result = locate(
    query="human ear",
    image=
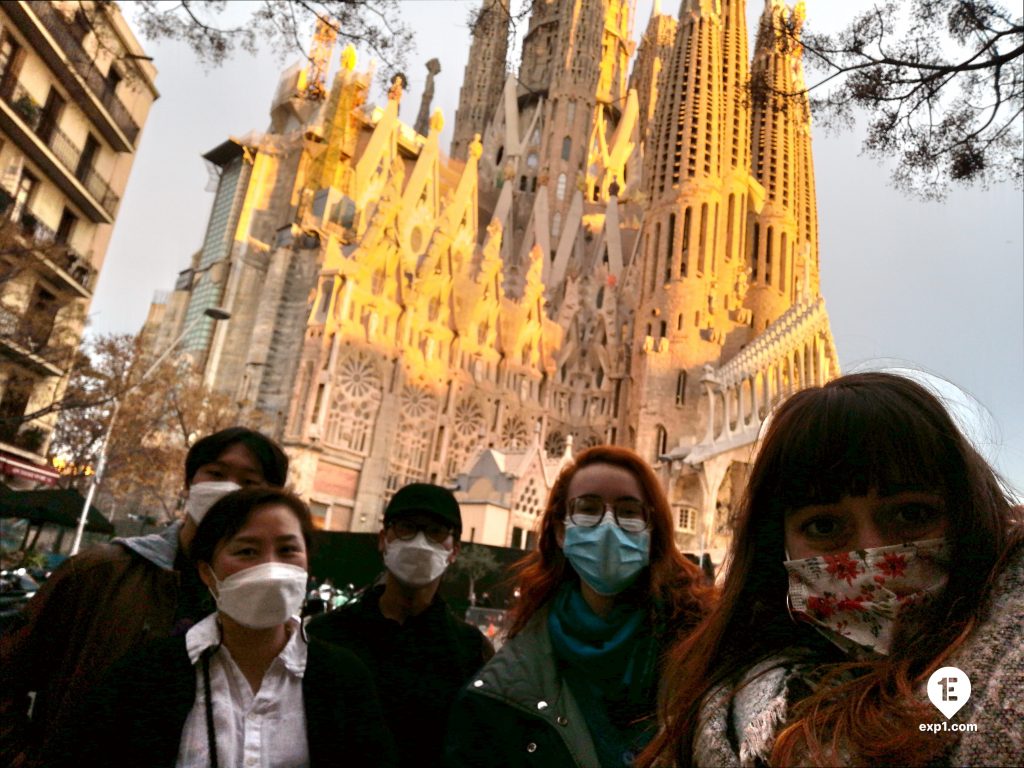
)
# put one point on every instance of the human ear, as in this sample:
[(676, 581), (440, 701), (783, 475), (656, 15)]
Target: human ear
[(207, 576), (560, 533)]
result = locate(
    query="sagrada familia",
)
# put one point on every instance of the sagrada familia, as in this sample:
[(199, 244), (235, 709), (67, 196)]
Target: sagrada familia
[(621, 247)]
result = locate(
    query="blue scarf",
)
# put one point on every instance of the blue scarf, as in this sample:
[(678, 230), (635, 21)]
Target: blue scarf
[(609, 664)]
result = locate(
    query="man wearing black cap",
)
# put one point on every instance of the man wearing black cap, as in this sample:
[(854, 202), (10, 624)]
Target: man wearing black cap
[(419, 653)]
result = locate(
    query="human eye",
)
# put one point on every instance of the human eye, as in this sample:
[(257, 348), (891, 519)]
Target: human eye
[(586, 511), (436, 532), (404, 530), (915, 518), (588, 505), (821, 527), (916, 513), (630, 508)]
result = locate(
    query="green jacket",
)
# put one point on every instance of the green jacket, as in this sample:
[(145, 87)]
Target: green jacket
[(519, 711)]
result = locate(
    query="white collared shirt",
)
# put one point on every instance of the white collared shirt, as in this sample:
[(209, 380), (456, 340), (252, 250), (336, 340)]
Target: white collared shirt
[(265, 730)]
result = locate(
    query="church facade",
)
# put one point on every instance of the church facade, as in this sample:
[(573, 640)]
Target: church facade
[(621, 248)]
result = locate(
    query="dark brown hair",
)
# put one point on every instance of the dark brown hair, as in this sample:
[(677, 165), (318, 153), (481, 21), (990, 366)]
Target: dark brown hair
[(857, 433), (671, 581), (272, 460), (230, 514)]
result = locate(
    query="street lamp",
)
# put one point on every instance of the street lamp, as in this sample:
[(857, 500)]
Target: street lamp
[(214, 313)]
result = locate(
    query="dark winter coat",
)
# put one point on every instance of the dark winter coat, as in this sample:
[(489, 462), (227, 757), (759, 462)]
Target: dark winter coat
[(96, 607), (418, 667)]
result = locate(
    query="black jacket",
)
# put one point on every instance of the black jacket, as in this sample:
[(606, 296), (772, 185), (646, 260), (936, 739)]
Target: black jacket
[(418, 667), (135, 716)]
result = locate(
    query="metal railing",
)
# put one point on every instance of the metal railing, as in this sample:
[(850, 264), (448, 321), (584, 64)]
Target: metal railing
[(58, 27), (60, 144), (60, 255)]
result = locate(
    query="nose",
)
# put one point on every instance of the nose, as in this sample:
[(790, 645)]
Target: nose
[(869, 535)]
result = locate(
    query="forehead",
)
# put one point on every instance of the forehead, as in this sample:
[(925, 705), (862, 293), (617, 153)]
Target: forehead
[(238, 457), (605, 480), (421, 517), (270, 521)]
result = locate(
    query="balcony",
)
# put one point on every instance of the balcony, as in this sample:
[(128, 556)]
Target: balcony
[(65, 267), (22, 344), (45, 27), (77, 180)]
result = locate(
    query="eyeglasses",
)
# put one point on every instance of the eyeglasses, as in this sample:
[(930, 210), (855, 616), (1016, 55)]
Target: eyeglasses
[(406, 530), (588, 512)]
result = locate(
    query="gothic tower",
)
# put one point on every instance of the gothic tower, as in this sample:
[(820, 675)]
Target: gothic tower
[(783, 236), (571, 95), (652, 55), (681, 269), (485, 74)]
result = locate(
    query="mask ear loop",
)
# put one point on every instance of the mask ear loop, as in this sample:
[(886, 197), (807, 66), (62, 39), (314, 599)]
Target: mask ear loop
[(789, 601)]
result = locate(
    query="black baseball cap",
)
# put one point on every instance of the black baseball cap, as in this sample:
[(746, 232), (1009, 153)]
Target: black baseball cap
[(425, 497)]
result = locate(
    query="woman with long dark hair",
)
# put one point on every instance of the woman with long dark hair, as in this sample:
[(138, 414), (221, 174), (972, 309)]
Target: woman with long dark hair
[(603, 595), (874, 546)]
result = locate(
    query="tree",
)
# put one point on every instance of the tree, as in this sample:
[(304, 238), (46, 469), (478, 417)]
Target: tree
[(941, 83), (476, 561), (159, 417), (284, 25)]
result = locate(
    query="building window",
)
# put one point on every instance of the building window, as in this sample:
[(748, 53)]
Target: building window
[(686, 519), (566, 147), (556, 225), (66, 228), (23, 194), (560, 187), (681, 387), (660, 443)]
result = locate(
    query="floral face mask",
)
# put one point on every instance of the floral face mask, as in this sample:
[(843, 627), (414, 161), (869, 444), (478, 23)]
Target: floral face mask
[(856, 597)]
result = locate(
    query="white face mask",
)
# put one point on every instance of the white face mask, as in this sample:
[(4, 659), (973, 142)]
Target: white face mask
[(262, 596), (416, 562), (202, 496)]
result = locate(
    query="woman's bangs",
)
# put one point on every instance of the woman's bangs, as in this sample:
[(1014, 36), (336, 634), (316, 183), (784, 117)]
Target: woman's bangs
[(854, 443)]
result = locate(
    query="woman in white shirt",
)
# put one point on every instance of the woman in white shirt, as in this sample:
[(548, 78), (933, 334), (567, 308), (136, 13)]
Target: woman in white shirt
[(244, 686)]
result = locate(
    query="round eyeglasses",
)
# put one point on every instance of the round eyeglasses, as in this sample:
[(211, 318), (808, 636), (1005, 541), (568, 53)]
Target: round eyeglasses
[(588, 512), (406, 530)]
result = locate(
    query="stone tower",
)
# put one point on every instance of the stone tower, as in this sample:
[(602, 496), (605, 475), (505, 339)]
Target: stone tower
[(681, 272), (652, 56), (783, 244), (485, 74)]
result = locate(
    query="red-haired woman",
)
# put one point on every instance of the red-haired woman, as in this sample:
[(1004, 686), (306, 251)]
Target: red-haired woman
[(874, 547), (602, 596)]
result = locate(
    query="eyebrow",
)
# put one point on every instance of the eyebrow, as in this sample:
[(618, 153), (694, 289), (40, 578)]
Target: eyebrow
[(258, 540)]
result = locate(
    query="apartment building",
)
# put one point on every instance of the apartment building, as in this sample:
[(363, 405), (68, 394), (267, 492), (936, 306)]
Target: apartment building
[(75, 91)]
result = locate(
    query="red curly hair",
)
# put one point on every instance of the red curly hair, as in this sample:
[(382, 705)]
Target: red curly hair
[(671, 583)]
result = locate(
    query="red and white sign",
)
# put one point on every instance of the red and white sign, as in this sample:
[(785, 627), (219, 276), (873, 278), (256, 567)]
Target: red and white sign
[(34, 472)]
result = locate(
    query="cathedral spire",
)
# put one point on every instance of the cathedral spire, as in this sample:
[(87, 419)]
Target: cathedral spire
[(783, 236), (485, 74)]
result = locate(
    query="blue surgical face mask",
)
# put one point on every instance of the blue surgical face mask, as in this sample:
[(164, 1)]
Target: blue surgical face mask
[(606, 557)]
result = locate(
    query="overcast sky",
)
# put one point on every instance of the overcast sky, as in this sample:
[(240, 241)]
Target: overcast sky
[(937, 287)]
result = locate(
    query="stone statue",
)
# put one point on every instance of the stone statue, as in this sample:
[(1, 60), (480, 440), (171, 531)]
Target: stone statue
[(423, 119)]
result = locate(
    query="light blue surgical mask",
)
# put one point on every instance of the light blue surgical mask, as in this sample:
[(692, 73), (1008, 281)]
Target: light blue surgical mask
[(606, 557)]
